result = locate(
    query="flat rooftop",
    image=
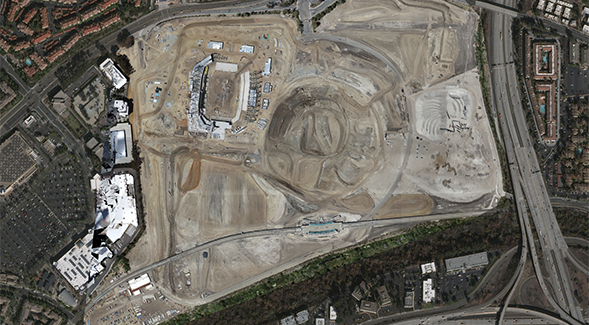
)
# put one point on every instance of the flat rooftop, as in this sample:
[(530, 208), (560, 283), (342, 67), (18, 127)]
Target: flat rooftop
[(466, 262), (121, 139)]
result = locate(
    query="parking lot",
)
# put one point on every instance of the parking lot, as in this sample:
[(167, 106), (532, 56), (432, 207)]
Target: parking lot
[(28, 231), (576, 80), (151, 307), (64, 189), (455, 286)]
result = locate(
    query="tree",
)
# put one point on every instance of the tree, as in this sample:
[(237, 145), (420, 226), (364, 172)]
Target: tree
[(122, 36)]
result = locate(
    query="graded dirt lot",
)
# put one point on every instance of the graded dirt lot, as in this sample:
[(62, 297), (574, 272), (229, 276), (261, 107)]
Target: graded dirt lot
[(378, 114)]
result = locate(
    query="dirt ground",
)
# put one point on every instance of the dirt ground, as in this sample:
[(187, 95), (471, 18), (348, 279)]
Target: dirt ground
[(353, 128), (529, 292)]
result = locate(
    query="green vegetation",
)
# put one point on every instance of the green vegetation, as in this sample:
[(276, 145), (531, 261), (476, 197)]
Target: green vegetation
[(122, 259), (325, 278), (74, 125), (481, 56)]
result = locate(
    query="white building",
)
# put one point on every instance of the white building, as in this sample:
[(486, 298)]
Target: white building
[(116, 206), (462, 263), (428, 268), (215, 45), (429, 293), (141, 282), (115, 76), (267, 67), (78, 265), (121, 139), (247, 48), (122, 108), (332, 313)]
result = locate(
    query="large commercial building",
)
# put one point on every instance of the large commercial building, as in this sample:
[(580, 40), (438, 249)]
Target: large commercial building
[(78, 265), (115, 76), (121, 139), (466, 262), (116, 206), (141, 282)]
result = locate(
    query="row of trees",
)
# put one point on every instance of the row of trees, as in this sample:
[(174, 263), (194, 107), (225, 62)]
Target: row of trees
[(331, 277)]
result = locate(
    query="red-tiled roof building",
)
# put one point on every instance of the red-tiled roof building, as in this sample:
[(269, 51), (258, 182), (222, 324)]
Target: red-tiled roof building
[(4, 45), (107, 3), (38, 60), (57, 52), (21, 45), (25, 29), (92, 28), (31, 70), (109, 21), (29, 16), (44, 18), (71, 20), (71, 42), (41, 37)]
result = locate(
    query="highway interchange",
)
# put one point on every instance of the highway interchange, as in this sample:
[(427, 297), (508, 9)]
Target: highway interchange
[(529, 189)]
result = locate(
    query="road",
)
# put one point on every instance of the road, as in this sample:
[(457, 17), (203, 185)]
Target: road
[(529, 187), (396, 222)]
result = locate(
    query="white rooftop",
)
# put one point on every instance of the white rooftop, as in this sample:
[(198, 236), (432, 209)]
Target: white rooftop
[(116, 206), (121, 107), (428, 268), (247, 48), (429, 293), (215, 45), (267, 67), (466, 262), (78, 265), (224, 66), (122, 141), (139, 282), (115, 76)]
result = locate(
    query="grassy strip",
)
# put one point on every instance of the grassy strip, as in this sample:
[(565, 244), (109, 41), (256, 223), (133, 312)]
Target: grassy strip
[(481, 56), (316, 267)]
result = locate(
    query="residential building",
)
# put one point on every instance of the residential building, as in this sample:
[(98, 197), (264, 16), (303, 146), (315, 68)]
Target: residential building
[(44, 18), (25, 29), (29, 16), (56, 53), (31, 70), (70, 20), (89, 29), (71, 41), (41, 37), (109, 21), (38, 60)]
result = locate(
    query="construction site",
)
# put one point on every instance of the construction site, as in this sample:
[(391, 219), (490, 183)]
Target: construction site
[(246, 125)]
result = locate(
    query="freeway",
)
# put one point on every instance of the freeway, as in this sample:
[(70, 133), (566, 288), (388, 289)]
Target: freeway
[(525, 174)]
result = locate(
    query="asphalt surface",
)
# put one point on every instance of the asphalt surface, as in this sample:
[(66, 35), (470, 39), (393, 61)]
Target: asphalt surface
[(525, 172)]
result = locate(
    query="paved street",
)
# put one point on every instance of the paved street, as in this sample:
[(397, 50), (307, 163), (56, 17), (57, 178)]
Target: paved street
[(525, 172)]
